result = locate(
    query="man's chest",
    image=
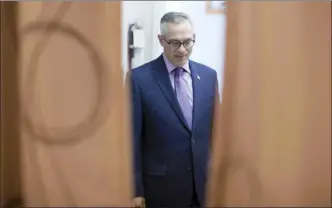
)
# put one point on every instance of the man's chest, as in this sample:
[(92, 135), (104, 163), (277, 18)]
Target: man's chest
[(187, 84)]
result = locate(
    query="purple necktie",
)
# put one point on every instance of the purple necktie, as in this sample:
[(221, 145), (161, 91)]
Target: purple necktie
[(182, 95)]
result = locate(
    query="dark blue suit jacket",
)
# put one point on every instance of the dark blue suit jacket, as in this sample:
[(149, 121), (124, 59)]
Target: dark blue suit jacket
[(169, 158)]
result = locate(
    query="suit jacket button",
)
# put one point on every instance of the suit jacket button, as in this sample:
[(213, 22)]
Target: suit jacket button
[(189, 168)]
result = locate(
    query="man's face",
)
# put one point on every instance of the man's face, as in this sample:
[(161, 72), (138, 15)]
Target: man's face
[(176, 34)]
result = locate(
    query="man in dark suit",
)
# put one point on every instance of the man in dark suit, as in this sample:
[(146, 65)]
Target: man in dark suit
[(172, 112)]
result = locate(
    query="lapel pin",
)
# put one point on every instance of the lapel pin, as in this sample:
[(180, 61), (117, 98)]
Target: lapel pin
[(198, 77)]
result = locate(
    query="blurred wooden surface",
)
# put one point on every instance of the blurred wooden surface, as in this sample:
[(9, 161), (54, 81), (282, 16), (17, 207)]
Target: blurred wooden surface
[(69, 72), (10, 181), (272, 146)]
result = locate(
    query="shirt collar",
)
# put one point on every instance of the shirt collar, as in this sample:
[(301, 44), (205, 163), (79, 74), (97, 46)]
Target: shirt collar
[(170, 67)]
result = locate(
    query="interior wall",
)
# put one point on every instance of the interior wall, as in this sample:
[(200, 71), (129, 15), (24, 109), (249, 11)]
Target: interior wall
[(132, 11)]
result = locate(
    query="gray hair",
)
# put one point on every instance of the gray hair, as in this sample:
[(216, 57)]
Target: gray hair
[(172, 17)]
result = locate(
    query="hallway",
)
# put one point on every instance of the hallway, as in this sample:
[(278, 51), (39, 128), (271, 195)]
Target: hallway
[(65, 125)]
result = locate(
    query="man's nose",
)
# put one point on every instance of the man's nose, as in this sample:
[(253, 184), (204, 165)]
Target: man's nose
[(181, 48)]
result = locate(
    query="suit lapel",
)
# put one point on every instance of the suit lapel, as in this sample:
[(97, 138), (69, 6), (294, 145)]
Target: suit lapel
[(198, 94), (160, 73)]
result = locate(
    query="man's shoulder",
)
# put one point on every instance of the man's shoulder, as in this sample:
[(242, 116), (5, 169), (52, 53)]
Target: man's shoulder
[(143, 70), (140, 72), (203, 68)]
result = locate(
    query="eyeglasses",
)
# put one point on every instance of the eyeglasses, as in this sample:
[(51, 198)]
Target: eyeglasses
[(175, 44)]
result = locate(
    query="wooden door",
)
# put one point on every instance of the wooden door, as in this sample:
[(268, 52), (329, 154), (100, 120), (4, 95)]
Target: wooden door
[(272, 140), (74, 121), (10, 181)]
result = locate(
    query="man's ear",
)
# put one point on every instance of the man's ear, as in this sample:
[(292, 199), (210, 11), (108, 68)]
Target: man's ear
[(160, 38)]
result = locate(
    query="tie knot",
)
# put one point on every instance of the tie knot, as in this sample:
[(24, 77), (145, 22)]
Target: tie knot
[(178, 71)]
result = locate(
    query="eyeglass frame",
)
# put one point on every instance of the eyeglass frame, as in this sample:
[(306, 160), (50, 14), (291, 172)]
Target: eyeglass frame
[(169, 42)]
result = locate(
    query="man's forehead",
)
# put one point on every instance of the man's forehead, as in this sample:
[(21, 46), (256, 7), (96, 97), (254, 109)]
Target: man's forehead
[(180, 31), (180, 27)]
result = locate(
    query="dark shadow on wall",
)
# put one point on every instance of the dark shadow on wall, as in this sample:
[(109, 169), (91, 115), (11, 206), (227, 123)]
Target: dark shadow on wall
[(10, 110)]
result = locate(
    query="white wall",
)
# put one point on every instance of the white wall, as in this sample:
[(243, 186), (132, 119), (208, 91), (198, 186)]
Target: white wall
[(209, 28), (136, 11)]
